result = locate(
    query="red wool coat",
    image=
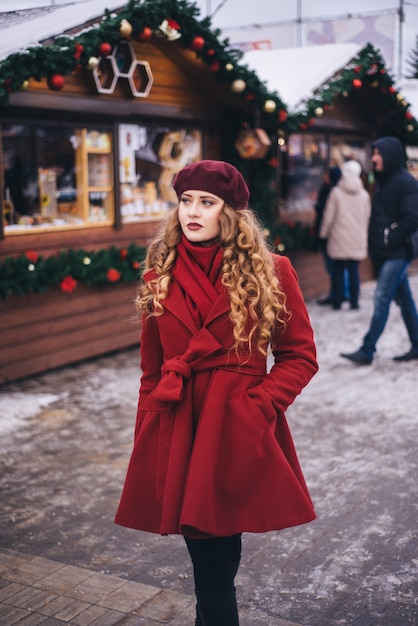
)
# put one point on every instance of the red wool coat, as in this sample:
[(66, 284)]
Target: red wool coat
[(213, 454)]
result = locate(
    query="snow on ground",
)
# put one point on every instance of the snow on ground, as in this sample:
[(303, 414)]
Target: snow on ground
[(17, 408)]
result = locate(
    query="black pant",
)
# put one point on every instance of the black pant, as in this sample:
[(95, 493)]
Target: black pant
[(338, 279), (215, 564)]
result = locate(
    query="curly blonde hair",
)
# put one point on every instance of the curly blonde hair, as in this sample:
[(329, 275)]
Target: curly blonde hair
[(258, 304)]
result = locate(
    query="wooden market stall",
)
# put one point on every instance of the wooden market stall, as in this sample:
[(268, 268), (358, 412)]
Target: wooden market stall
[(340, 98), (95, 122)]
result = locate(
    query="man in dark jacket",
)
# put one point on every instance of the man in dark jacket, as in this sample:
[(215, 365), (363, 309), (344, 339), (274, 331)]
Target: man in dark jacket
[(394, 218)]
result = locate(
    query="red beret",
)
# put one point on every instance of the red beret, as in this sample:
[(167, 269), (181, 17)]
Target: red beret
[(217, 177)]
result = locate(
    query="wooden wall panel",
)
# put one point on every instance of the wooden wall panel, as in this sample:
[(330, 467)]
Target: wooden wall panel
[(54, 241), (44, 331), (180, 80)]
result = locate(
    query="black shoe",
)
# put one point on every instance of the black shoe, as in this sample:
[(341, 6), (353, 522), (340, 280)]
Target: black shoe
[(359, 357), (354, 306), (409, 356), (323, 301)]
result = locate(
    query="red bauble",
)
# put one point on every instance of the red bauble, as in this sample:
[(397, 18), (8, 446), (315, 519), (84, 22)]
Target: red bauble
[(392, 89), (214, 66), (282, 115), (409, 115), (211, 52), (357, 84), (56, 82), (145, 35), (105, 49), (197, 43), (78, 50)]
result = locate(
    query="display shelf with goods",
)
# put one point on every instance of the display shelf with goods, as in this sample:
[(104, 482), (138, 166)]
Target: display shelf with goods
[(95, 176), (55, 177)]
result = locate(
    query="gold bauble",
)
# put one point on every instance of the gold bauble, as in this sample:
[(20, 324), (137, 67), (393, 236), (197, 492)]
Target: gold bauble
[(238, 86), (24, 85), (229, 67), (125, 28), (319, 111), (269, 106), (92, 63)]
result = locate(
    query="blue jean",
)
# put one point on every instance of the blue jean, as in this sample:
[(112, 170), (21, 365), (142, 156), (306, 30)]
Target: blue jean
[(392, 284)]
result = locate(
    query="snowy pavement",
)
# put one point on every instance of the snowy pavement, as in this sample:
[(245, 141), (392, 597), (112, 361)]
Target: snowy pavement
[(65, 438)]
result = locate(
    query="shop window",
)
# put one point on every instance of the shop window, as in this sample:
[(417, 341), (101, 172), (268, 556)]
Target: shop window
[(56, 177), (149, 159), (412, 160), (307, 157), (347, 148)]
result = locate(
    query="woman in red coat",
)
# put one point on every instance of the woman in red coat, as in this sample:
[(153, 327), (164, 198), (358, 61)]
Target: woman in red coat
[(213, 456)]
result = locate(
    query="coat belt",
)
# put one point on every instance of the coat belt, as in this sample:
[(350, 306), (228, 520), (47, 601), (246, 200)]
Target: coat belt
[(203, 352)]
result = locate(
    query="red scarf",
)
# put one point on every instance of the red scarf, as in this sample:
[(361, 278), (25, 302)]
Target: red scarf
[(198, 272)]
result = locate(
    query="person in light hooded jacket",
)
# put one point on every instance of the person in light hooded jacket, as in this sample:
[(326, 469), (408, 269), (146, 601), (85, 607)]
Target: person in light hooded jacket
[(344, 225), (394, 218)]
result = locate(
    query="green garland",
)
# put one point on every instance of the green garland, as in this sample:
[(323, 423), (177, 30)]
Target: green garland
[(365, 72), (69, 54), (291, 236), (30, 273)]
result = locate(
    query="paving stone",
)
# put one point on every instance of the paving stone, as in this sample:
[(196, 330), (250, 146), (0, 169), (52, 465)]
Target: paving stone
[(64, 578), (10, 615), (165, 606), (26, 597), (40, 599), (110, 618), (97, 587), (9, 560), (89, 615), (32, 570), (129, 597), (8, 591), (71, 611), (32, 619)]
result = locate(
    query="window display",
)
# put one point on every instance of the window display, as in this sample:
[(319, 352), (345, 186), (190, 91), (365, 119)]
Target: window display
[(56, 177), (307, 157), (149, 159), (349, 149)]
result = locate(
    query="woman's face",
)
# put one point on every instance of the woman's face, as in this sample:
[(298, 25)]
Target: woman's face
[(199, 216)]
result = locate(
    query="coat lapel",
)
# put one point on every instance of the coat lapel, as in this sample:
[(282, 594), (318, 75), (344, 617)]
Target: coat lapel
[(176, 304)]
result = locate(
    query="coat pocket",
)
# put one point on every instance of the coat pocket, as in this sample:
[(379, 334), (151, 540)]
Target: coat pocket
[(255, 412), (262, 400)]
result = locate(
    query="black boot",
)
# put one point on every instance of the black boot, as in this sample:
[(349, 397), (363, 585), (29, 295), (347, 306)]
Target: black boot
[(218, 608)]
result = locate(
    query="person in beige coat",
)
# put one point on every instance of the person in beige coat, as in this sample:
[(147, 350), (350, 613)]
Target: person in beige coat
[(345, 226)]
